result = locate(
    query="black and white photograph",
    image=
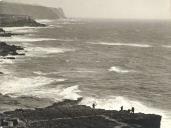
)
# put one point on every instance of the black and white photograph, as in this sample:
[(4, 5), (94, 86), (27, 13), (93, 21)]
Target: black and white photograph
[(85, 63)]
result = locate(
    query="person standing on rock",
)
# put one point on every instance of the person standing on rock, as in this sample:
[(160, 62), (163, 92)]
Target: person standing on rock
[(121, 108), (133, 110), (94, 105)]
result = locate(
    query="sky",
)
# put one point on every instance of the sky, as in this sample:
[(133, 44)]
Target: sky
[(143, 9)]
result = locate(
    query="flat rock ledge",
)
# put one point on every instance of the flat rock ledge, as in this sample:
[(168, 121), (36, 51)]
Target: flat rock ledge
[(69, 114)]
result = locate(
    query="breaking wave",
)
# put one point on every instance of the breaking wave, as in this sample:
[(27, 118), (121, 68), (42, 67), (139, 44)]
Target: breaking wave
[(44, 21), (166, 46), (22, 86), (119, 70), (24, 30), (37, 87), (55, 73), (41, 51), (59, 93), (122, 44), (24, 39), (6, 61)]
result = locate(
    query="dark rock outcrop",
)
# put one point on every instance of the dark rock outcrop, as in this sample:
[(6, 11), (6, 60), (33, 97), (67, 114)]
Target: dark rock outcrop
[(69, 114), (6, 49), (3, 33), (17, 21), (2, 30), (35, 11)]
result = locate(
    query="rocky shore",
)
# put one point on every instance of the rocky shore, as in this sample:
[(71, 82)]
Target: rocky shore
[(7, 20), (69, 114), (6, 49), (3, 33)]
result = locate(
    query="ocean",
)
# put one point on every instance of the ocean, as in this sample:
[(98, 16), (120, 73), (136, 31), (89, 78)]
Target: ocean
[(113, 63)]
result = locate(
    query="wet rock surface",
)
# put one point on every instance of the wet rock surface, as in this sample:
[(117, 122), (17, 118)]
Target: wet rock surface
[(6, 49), (69, 114)]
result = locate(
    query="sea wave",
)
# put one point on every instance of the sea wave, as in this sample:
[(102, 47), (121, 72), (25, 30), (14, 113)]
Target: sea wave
[(21, 30), (122, 44), (55, 73), (58, 93), (22, 86), (45, 21), (166, 46), (119, 70), (25, 29), (24, 39), (6, 61), (37, 87), (42, 51), (69, 21)]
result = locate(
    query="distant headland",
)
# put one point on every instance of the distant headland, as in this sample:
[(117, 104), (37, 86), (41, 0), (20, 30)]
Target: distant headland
[(18, 15), (34, 11)]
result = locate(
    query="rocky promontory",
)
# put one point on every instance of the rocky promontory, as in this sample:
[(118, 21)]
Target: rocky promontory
[(69, 114), (7, 20), (35, 11), (3, 33), (6, 49)]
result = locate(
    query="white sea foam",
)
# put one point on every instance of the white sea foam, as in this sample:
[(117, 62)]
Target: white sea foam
[(37, 87), (6, 61), (55, 73), (21, 86), (166, 46), (44, 21), (21, 30), (69, 21), (114, 103), (66, 40), (24, 39), (42, 51), (122, 44), (119, 70), (58, 93), (25, 29)]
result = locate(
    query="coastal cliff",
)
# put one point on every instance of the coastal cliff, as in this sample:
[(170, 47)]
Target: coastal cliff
[(69, 114), (34, 11)]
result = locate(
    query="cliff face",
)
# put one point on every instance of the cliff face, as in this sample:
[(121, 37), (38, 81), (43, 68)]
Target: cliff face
[(36, 12)]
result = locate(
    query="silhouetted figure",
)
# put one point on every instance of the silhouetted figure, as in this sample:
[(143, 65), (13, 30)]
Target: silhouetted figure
[(94, 105), (121, 108), (129, 110), (133, 110)]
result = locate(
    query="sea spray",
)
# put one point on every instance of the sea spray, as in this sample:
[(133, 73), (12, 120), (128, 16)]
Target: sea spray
[(122, 44)]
